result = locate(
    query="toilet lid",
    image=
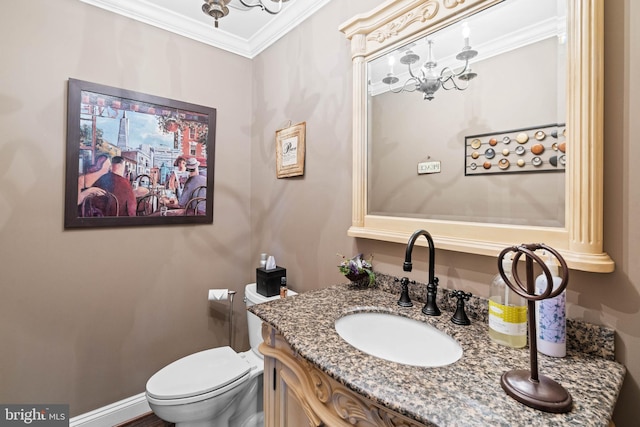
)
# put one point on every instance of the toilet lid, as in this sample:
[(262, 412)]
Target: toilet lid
[(198, 373)]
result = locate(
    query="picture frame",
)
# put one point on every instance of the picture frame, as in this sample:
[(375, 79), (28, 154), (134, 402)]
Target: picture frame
[(290, 151), (134, 159)]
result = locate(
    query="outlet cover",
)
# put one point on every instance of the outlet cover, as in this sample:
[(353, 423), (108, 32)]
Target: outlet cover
[(428, 167)]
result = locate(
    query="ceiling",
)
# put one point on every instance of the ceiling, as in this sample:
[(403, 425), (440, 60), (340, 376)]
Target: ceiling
[(245, 32)]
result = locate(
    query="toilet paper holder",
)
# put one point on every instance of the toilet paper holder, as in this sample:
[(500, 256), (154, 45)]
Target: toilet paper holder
[(231, 295), (221, 295)]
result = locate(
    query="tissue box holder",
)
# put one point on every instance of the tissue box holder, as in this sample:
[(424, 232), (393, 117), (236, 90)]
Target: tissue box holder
[(268, 281)]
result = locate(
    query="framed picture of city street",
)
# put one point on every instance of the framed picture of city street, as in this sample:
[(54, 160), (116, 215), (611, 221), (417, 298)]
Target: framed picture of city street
[(134, 159)]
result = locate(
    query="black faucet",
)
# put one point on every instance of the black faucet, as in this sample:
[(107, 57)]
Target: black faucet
[(430, 308)]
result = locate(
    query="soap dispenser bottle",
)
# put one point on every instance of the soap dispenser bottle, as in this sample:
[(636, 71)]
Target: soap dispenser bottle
[(551, 315), (507, 311)]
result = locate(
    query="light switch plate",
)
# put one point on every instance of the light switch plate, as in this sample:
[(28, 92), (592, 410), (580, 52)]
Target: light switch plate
[(428, 167)]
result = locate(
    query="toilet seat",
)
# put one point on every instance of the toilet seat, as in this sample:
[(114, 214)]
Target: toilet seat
[(198, 377)]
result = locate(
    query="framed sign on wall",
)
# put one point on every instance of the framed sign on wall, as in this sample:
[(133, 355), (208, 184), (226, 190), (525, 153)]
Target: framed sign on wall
[(290, 151)]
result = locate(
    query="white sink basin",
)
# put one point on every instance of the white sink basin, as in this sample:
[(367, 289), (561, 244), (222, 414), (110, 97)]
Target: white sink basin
[(398, 339)]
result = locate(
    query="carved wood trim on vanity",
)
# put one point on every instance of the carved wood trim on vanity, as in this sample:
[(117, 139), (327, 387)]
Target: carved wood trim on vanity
[(325, 401)]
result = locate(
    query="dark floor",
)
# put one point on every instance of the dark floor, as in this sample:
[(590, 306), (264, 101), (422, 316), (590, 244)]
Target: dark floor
[(146, 420)]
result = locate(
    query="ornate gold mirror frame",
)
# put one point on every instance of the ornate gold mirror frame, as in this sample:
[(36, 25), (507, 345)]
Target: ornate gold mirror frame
[(397, 22)]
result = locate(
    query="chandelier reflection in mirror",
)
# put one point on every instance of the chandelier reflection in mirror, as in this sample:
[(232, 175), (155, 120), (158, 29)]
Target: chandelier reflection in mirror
[(218, 8), (429, 80)]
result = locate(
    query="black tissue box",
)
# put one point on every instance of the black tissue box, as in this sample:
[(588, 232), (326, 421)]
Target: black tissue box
[(268, 281)]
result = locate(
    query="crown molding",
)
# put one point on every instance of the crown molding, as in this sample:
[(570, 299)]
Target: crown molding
[(151, 14), (287, 20)]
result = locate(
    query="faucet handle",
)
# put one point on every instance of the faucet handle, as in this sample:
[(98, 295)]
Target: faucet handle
[(404, 300), (460, 317)]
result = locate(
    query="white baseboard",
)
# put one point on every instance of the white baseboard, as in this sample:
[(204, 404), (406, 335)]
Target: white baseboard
[(114, 414)]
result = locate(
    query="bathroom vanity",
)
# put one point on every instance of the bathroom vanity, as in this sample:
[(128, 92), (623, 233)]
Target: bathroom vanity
[(313, 377)]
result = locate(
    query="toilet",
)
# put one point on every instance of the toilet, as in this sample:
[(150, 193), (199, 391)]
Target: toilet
[(216, 387)]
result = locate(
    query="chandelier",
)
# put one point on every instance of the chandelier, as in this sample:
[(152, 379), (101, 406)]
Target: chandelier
[(429, 80), (218, 8)]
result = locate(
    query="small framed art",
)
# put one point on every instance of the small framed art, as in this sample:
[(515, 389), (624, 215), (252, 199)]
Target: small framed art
[(290, 151)]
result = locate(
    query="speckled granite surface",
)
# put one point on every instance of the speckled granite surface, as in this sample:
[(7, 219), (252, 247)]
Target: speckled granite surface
[(583, 337), (466, 393)]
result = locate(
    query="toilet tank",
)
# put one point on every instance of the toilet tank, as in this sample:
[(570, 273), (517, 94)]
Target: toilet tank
[(251, 297)]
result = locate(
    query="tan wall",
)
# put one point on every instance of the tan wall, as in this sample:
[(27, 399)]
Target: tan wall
[(87, 316), (304, 77), (71, 333)]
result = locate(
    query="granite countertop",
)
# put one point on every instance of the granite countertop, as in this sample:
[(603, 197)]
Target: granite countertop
[(465, 393)]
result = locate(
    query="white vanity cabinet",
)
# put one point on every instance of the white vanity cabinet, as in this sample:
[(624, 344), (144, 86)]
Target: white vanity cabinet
[(296, 393)]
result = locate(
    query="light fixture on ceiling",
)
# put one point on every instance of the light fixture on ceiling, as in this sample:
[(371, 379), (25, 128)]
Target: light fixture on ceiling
[(429, 81), (218, 8)]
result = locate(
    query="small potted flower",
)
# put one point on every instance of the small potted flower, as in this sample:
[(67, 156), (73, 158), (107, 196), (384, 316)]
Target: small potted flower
[(357, 269)]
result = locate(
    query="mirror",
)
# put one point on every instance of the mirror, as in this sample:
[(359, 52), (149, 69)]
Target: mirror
[(465, 139), (389, 193)]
